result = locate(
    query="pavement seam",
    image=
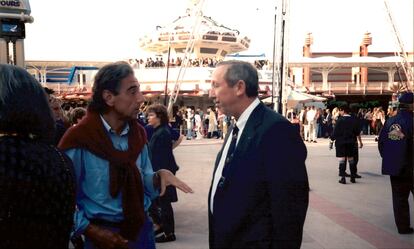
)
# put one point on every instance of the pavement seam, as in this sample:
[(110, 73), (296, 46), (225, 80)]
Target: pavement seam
[(370, 233)]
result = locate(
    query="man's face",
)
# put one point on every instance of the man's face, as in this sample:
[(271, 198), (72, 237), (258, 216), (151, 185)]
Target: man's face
[(56, 109), (224, 95), (129, 99)]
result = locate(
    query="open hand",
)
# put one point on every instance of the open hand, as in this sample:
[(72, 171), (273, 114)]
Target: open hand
[(167, 178)]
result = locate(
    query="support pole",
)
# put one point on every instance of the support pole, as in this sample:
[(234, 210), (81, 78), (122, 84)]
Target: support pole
[(325, 73), (274, 60), (281, 70), (19, 53), (4, 55), (391, 73), (168, 69)]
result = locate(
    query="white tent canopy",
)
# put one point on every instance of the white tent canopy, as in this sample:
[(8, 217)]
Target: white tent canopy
[(294, 98)]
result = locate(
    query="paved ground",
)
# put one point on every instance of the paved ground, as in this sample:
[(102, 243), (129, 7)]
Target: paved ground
[(351, 216)]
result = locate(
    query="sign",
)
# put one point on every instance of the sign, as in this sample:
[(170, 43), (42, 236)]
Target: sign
[(12, 28), (15, 6)]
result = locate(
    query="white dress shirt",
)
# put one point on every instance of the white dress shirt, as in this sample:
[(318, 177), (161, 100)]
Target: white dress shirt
[(240, 123)]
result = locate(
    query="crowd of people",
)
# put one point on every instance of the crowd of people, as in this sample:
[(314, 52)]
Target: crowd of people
[(173, 62), (194, 123), (313, 122), (93, 179), (104, 175), (393, 131), (88, 173), (193, 62)]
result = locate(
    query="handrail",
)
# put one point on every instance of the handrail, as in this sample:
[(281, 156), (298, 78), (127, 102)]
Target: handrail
[(346, 87)]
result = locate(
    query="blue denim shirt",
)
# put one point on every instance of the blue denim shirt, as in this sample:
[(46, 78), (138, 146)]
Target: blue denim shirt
[(92, 177)]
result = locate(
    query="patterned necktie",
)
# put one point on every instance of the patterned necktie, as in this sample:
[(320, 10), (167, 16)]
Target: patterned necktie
[(229, 156)]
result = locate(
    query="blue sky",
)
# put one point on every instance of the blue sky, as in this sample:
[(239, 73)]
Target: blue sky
[(106, 30)]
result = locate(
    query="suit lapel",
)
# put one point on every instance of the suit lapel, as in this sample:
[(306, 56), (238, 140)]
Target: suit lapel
[(230, 130), (249, 131), (246, 138)]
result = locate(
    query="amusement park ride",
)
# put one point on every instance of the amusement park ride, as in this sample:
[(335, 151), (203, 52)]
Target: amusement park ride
[(190, 37), (193, 36), (400, 51)]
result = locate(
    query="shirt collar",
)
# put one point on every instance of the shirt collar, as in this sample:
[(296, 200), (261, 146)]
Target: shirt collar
[(110, 130), (241, 122)]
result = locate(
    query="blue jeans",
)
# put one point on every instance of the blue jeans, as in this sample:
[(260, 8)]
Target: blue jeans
[(145, 239)]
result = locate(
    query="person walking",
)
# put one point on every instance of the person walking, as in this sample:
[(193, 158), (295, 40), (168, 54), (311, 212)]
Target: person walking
[(259, 193), (328, 123), (311, 117), (189, 118), (306, 125), (212, 123), (395, 145), (346, 133), (161, 155)]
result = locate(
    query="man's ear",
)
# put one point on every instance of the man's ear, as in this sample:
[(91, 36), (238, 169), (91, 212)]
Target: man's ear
[(240, 88), (108, 97)]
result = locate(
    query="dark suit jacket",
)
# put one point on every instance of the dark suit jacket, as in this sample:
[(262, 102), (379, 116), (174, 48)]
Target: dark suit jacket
[(161, 155), (395, 144), (264, 199)]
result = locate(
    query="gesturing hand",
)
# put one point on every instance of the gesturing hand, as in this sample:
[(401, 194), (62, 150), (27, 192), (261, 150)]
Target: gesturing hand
[(167, 178)]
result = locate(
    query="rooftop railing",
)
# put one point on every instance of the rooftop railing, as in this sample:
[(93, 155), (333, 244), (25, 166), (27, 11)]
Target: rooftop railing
[(345, 88)]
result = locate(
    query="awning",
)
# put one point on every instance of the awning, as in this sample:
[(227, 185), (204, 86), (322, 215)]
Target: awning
[(295, 98)]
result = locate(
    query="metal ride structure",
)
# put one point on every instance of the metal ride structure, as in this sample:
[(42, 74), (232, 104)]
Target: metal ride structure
[(400, 51), (196, 13), (280, 49), (195, 39), (13, 16)]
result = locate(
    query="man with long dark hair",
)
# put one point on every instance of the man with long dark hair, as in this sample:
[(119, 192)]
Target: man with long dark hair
[(113, 171)]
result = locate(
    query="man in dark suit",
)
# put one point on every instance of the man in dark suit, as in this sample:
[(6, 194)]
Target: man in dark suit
[(259, 192)]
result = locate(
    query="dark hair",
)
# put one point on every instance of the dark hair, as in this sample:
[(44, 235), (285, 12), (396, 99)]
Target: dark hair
[(345, 108), (108, 78), (76, 114), (353, 107), (241, 70), (160, 111), (49, 90), (405, 101), (24, 106)]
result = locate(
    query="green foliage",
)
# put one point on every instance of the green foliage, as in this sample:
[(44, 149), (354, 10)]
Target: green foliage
[(370, 104), (336, 103)]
